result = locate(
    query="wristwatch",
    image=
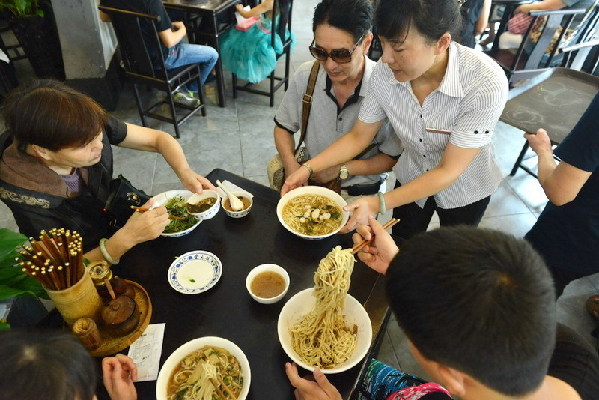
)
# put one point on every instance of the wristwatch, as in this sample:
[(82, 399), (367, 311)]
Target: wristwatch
[(343, 172)]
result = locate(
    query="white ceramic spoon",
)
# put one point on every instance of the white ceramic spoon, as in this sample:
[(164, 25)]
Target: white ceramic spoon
[(236, 204)]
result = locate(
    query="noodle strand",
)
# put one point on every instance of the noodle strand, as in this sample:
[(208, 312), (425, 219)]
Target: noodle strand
[(321, 338)]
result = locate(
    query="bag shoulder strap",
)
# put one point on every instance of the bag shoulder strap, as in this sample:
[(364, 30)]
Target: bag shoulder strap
[(307, 102)]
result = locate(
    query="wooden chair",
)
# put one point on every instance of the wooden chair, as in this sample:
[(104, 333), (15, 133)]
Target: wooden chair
[(531, 58), (140, 69), (280, 26)]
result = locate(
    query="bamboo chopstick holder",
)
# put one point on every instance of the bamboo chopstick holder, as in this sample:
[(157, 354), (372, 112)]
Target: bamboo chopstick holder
[(363, 243)]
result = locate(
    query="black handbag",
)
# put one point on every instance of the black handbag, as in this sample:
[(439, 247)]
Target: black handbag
[(123, 195)]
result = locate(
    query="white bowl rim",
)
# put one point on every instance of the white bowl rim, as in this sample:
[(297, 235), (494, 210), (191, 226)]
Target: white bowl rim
[(319, 190), (240, 212), (194, 344), (190, 253), (205, 194), (265, 268), (161, 198), (354, 359)]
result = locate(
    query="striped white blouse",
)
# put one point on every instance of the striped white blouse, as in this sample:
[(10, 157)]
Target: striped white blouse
[(463, 111)]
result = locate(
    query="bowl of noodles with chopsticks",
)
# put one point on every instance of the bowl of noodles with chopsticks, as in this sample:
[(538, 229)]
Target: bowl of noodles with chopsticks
[(205, 368), (312, 212), (324, 327)]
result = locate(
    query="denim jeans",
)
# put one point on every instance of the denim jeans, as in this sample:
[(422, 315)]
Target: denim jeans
[(184, 54)]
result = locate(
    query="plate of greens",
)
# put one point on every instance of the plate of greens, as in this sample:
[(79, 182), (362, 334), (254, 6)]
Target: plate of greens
[(175, 203), (195, 272)]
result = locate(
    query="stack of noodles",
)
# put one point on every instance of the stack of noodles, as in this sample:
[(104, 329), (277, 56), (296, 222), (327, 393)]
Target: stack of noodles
[(55, 260), (321, 338)]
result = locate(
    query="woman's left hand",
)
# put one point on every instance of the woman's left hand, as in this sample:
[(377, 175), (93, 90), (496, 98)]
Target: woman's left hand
[(194, 182), (361, 209)]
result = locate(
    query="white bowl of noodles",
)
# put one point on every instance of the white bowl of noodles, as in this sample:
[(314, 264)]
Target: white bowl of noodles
[(312, 212), (209, 347), (177, 228), (354, 314)]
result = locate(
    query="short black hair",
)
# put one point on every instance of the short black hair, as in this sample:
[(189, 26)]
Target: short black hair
[(45, 365), (479, 301), (352, 16), (52, 115), (432, 18)]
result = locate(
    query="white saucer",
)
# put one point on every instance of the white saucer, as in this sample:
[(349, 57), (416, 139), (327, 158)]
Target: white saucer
[(194, 272)]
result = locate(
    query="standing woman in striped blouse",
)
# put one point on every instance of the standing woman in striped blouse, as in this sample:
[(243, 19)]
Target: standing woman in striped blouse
[(443, 100)]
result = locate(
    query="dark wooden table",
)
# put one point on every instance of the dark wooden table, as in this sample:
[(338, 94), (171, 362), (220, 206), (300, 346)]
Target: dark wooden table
[(207, 20), (227, 310)]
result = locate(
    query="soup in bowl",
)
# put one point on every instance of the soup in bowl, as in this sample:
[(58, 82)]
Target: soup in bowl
[(312, 212), (188, 371)]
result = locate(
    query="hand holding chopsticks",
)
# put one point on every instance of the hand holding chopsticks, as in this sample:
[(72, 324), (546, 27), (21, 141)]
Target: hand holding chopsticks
[(357, 247), (378, 251)]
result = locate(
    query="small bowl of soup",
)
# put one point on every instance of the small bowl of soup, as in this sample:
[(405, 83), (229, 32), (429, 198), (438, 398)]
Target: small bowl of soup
[(204, 205), (247, 205), (267, 283)]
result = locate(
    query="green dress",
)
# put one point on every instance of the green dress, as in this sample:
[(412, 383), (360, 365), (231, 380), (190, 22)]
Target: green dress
[(249, 54)]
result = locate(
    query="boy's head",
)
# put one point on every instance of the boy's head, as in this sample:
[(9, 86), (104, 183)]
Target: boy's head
[(45, 365), (476, 301)]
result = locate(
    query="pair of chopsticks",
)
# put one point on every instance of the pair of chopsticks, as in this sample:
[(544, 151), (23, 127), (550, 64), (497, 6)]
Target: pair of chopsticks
[(220, 392), (363, 243), (144, 209)]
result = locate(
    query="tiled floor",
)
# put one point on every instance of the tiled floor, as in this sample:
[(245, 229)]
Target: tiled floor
[(238, 138)]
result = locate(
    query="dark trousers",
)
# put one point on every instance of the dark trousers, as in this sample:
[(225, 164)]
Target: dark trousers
[(414, 219)]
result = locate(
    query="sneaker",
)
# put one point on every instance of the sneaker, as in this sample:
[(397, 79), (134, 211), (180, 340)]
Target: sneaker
[(186, 98)]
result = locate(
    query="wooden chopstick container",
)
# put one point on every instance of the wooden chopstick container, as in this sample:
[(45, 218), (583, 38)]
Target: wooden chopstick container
[(78, 301)]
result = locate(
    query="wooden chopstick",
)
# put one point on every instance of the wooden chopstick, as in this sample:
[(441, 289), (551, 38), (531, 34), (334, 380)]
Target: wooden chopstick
[(144, 209), (220, 392), (363, 243), (231, 394)]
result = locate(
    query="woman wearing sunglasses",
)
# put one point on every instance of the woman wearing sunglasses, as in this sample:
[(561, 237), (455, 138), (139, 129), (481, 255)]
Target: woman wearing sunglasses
[(443, 100), (341, 41)]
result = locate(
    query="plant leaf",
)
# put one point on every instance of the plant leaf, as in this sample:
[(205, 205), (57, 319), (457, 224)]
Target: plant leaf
[(9, 241), (7, 292)]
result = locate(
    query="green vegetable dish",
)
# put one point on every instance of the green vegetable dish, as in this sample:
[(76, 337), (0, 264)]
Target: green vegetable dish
[(176, 207)]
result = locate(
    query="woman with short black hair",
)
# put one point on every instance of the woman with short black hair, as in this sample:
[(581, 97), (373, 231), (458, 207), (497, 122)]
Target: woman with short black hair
[(56, 167), (443, 100)]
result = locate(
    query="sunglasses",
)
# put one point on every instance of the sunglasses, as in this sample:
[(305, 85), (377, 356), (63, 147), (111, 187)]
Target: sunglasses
[(340, 56)]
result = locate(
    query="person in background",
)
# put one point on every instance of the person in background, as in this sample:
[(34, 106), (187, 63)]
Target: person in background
[(567, 231), (475, 17), (53, 365), (56, 167), (176, 52), (478, 309), (443, 100), (342, 37), (509, 40), (249, 54)]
